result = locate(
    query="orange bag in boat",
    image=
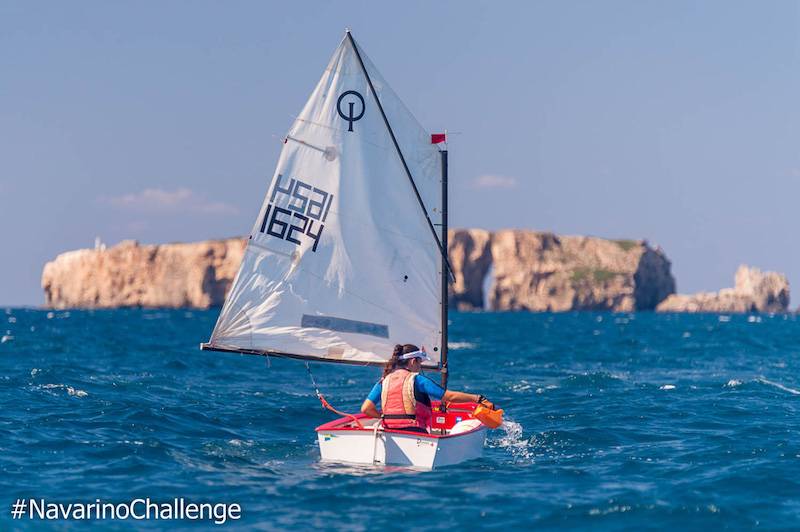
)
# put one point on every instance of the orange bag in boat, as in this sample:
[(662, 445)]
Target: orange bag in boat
[(487, 416)]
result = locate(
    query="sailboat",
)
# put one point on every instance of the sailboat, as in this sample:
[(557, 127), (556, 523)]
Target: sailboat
[(348, 257)]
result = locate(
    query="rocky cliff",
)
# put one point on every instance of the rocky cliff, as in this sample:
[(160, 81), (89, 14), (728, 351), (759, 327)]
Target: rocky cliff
[(504, 270), (754, 291), (130, 275), (539, 271)]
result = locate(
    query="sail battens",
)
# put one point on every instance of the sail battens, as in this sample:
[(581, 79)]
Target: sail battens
[(268, 250), (340, 264)]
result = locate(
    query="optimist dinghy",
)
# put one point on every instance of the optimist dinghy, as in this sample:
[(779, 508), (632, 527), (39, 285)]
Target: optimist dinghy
[(348, 257)]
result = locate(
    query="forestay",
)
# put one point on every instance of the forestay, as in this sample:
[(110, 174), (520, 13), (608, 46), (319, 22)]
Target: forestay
[(341, 262)]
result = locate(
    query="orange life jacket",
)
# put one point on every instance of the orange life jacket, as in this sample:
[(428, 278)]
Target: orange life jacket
[(399, 407)]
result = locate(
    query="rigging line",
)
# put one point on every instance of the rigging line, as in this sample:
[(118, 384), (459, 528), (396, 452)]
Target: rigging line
[(340, 131), (313, 381), (400, 154), (325, 403)]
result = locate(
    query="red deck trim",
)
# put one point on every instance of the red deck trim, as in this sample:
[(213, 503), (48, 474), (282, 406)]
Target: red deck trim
[(466, 408)]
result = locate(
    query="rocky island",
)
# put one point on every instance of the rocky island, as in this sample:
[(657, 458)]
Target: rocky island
[(502, 270), (754, 291), (194, 275), (542, 271)]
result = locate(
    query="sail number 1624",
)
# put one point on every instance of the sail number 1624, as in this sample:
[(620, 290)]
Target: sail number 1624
[(296, 209)]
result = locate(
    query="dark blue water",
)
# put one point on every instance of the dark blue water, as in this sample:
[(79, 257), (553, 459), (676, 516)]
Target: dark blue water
[(615, 422)]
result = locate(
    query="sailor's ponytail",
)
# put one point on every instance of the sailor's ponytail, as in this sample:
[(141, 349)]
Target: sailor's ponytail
[(391, 364), (396, 362)]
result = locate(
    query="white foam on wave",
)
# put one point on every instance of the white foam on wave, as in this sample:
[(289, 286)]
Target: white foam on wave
[(733, 383), (667, 387), (512, 438), (610, 510), (461, 345), (522, 386), (69, 389), (6, 338), (778, 385)]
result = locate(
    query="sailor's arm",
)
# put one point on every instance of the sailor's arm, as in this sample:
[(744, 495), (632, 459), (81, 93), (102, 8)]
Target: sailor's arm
[(448, 396), (368, 408), (452, 396)]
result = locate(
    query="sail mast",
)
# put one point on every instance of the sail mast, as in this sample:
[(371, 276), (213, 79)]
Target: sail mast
[(445, 269)]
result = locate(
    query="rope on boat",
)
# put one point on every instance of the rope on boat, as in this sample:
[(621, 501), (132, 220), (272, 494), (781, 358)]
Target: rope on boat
[(326, 404)]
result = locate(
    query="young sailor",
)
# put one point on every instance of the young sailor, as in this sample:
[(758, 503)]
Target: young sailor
[(405, 396)]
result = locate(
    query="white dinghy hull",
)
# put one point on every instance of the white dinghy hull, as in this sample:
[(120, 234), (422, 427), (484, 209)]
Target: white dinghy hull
[(343, 441)]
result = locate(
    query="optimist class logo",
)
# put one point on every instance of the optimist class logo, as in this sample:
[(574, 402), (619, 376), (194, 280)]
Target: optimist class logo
[(350, 116)]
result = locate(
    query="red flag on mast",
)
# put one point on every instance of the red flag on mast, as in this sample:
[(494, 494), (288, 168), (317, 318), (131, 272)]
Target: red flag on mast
[(436, 138)]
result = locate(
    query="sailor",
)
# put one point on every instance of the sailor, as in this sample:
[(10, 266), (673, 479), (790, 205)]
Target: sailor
[(405, 395)]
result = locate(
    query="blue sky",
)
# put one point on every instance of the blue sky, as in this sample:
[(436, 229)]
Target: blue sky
[(678, 122)]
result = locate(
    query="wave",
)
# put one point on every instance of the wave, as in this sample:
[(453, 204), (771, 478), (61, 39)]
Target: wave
[(461, 345), (522, 386), (594, 378), (512, 439), (69, 389), (778, 385)]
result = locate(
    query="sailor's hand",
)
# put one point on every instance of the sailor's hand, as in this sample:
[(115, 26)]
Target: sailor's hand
[(485, 402)]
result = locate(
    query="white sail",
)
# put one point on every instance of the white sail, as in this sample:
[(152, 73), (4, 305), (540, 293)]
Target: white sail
[(342, 262)]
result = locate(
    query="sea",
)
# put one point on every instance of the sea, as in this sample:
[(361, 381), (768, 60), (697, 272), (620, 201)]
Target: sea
[(613, 422)]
